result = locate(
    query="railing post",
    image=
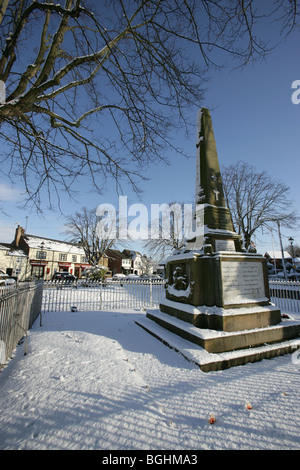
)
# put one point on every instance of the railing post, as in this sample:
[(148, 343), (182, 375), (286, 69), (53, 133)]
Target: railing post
[(150, 293), (101, 292)]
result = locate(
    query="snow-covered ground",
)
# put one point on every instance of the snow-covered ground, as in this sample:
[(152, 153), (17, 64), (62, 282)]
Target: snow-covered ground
[(96, 380)]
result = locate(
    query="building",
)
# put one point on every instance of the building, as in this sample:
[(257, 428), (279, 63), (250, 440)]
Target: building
[(128, 262), (140, 264), (118, 262), (275, 257), (31, 256), (12, 261), (136, 261)]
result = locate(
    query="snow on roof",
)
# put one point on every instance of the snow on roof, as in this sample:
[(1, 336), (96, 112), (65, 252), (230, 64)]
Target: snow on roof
[(132, 254), (53, 245), (18, 252), (277, 254), (12, 251), (3, 247)]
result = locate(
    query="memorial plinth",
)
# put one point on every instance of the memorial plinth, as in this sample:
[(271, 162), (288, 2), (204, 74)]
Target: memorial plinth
[(217, 311)]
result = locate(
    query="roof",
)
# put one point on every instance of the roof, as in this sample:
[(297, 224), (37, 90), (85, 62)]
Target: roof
[(35, 242), (110, 253), (12, 251), (131, 253), (277, 254), (17, 252), (5, 246)]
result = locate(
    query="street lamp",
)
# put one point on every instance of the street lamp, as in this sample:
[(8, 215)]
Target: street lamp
[(41, 256), (291, 240)]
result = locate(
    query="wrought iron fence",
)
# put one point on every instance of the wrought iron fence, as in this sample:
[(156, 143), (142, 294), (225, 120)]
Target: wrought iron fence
[(286, 295), (110, 295), (20, 306)]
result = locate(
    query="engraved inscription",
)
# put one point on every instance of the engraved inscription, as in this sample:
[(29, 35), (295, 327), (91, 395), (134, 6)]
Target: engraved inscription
[(224, 245), (242, 281)]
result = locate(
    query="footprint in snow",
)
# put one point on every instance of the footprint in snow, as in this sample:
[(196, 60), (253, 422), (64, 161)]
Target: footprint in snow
[(61, 378)]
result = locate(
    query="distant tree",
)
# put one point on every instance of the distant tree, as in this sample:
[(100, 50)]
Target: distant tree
[(95, 273), (89, 87), (81, 228), (148, 264), (256, 201), (169, 229), (294, 250)]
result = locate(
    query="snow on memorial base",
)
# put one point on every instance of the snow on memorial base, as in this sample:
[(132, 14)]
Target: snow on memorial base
[(226, 318), (186, 339), (217, 311)]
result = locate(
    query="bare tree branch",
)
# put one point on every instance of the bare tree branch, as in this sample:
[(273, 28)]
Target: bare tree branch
[(255, 200), (81, 227), (96, 88)]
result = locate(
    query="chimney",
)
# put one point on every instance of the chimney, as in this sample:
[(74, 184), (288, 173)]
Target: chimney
[(20, 232)]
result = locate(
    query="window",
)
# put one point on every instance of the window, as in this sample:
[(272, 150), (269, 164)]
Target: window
[(38, 271), (74, 258), (84, 259), (41, 255), (62, 256)]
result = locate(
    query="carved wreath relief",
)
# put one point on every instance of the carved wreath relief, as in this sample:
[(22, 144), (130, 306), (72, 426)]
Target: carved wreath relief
[(179, 284)]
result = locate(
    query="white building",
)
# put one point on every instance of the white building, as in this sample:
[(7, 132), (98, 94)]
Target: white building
[(30, 256)]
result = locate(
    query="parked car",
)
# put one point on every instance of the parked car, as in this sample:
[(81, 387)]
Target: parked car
[(144, 276), (5, 280), (63, 276), (150, 277), (278, 276), (118, 276), (132, 277), (294, 276)]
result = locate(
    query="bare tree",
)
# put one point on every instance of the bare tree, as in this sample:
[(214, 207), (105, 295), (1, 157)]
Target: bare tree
[(293, 250), (95, 87), (255, 200), (167, 231), (81, 227), (147, 264)]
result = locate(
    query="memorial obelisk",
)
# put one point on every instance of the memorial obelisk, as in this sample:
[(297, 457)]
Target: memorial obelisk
[(214, 220), (217, 295)]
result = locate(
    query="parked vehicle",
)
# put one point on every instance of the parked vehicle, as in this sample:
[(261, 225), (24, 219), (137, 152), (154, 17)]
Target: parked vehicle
[(150, 277), (132, 277), (5, 280), (63, 276), (295, 276), (279, 276), (118, 276)]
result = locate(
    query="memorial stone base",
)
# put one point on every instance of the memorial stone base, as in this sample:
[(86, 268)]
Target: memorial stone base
[(217, 311)]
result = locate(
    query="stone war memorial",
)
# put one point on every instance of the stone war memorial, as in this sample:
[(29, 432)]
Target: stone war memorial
[(217, 311)]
